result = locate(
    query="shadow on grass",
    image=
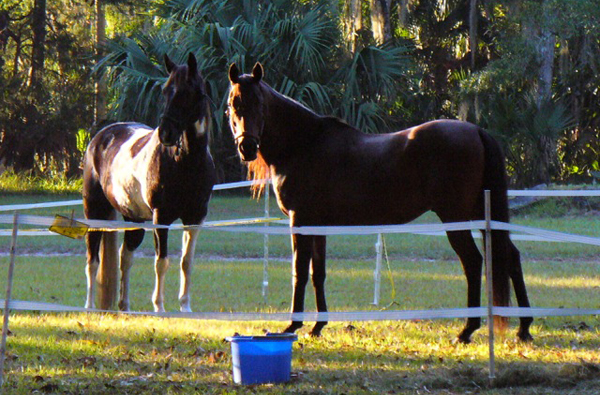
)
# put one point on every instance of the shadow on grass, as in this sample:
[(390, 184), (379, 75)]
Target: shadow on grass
[(101, 354)]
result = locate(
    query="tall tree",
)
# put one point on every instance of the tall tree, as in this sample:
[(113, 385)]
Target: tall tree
[(473, 16), (100, 89), (352, 22), (38, 25), (381, 23)]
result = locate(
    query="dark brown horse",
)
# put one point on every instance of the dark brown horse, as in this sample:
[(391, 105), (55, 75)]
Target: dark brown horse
[(325, 172), (161, 174)]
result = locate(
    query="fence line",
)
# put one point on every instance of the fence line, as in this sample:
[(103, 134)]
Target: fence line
[(234, 226)]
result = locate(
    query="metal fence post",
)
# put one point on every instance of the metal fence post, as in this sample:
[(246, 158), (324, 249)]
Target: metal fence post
[(488, 281), (11, 267)]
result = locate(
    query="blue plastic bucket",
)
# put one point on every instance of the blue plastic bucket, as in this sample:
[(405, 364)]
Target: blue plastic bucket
[(262, 359)]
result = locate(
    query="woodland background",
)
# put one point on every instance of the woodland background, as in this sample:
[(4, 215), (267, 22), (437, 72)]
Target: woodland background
[(527, 71)]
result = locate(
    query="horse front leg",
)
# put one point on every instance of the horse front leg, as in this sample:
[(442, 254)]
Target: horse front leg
[(318, 279), (187, 262), (472, 262), (161, 264), (302, 247)]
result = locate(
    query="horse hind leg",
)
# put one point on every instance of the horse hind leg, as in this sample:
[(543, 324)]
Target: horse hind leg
[(187, 261), (92, 240), (516, 275), (318, 279), (101, 250), (472, 262), (133, 239)]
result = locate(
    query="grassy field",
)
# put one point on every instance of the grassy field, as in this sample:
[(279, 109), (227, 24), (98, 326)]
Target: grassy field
[(106, 353)]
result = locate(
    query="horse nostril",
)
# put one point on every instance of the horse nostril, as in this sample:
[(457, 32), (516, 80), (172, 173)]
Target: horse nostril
[(165, 137), (248, 149)]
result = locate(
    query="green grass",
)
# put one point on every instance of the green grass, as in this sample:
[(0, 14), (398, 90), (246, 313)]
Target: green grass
[(12, 183), (105, 353)]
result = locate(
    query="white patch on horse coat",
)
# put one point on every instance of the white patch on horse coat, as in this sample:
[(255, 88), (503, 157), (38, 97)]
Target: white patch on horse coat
[(129, 175)]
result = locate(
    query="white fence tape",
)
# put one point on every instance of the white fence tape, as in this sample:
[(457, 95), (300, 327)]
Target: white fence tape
[(554, 193), (381, 315), (237, 226), (18, 207), (241, 184)]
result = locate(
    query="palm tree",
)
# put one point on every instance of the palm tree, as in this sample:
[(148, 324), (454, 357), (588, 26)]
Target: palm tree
[(298, 43)]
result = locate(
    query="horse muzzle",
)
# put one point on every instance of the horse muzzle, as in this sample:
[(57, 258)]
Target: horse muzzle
[(248, 148), (168, 136)]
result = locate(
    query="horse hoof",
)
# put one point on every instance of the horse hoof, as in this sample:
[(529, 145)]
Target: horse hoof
[(463, 339), (294, 326), (315, 333), (525, 337)]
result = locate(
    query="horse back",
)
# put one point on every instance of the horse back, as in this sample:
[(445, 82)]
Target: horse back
[(351, 178)]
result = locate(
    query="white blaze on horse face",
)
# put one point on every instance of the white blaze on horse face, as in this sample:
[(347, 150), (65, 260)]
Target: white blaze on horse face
[(238, 126), (129, 175), (201, 128)]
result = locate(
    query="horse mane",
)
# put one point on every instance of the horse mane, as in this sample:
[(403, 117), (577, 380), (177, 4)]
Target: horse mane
[(258, 169), (258, 172)]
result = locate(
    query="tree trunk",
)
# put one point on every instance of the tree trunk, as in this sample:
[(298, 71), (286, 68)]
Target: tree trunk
[(353, 23), (38, 25), (546, 47), (473, 31), (403, 12), (380, 20), (100, 86)]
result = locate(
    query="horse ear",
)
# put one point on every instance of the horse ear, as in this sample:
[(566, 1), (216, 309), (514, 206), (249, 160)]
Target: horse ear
[(192, 65), (257, 72), (234, 74), (169, 64)]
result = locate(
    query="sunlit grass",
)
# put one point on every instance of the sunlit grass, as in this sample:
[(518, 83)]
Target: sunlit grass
[(141, 354), (11, 182)]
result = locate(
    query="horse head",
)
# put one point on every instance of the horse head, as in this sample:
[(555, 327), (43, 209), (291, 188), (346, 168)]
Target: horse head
[(186, 100), (246, 110)]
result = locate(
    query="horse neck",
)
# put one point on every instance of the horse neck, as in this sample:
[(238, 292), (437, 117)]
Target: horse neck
[(288, 126)]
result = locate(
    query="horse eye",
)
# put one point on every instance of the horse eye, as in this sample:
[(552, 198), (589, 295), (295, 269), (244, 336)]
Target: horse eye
[(167, 90), (237, 103)]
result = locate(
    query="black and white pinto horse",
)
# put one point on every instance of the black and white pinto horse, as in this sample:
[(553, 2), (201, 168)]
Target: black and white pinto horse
[(161, 174)]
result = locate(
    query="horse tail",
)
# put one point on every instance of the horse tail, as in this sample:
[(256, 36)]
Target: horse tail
[(495, 180), (108, 272)]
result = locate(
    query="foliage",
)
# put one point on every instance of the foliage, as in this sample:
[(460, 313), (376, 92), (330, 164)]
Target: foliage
[(534, 61), (38, 122), (545, 138), (297, 42)]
